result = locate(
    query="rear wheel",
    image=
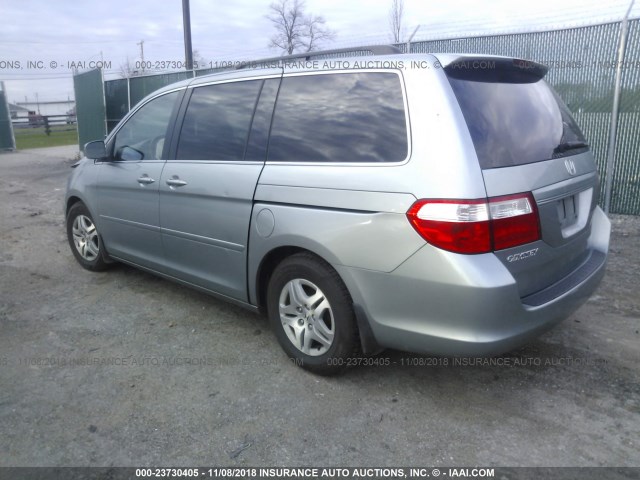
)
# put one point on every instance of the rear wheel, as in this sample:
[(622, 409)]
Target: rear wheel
[(84, 238), (311, 313)]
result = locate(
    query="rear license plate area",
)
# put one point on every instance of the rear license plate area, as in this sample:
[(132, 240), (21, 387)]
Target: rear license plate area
[(568, 211)]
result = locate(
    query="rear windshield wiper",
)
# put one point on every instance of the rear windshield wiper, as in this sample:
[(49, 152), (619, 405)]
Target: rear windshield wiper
[(563, 147)]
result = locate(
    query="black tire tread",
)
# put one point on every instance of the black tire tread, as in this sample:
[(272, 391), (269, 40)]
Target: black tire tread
[(351, 344)]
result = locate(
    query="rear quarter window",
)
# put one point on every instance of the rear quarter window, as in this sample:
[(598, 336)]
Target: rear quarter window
[(341, 117)]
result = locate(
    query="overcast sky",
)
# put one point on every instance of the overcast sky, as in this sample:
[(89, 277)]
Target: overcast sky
[(59, 32)]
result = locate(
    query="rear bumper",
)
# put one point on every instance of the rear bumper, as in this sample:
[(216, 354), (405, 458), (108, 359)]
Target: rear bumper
[(442, 303)]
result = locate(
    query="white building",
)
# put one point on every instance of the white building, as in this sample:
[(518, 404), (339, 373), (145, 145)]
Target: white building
[(17, 111), (48, 108)]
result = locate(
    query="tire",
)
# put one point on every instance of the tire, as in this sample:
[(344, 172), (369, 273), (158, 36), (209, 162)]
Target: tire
[(311, 313), (84, 239)]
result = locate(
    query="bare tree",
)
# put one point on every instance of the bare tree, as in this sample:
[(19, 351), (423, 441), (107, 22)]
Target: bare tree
[(316, 32), (199, 61), (127, 70), (286, 17), (396, 17), (296, 30)]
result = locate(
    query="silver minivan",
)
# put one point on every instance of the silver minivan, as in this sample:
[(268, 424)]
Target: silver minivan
[(440, 204)]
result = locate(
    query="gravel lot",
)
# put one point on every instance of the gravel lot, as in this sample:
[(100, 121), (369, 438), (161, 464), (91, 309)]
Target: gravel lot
[(123, 369)]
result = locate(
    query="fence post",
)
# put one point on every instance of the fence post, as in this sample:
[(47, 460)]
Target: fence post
[(411, 38), (611, 149), (47, 127), (7, 137)]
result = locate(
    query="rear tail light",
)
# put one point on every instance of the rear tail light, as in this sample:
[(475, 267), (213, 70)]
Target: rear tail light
[(477, 226), (514, 221)]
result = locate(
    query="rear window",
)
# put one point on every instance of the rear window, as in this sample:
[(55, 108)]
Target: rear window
[(514, 118), (342, 117)]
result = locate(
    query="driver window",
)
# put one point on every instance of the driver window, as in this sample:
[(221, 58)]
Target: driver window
[(142, 137)]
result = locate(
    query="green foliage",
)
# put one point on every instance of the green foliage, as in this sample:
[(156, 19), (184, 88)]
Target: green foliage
[(37, 138)]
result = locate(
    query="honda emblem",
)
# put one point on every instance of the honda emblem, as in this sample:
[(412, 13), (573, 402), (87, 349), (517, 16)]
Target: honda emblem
[(571, 167)]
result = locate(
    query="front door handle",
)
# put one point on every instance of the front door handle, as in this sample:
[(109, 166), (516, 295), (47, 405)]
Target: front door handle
[(176, 182), (145, 180)]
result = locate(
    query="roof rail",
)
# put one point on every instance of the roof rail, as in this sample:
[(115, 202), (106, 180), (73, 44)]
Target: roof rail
[(374, 49)]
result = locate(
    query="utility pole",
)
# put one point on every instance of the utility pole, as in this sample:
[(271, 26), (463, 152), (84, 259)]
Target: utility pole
[(611, 148), (186, 23), (141, 43)]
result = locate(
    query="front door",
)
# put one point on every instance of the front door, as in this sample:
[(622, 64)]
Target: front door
[(128, 185)]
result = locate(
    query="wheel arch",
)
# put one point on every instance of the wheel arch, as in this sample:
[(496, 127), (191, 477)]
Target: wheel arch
[(71, 201), (268, 264), (74, 199), (272, 259)]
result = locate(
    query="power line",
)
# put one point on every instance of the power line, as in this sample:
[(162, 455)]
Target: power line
[(97, 42), (69, 76)]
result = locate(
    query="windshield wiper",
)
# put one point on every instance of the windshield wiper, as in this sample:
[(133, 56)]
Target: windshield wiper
[(563, 147)]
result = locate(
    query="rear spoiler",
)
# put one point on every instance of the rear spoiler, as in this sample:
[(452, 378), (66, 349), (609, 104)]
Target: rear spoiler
[(495, 69)]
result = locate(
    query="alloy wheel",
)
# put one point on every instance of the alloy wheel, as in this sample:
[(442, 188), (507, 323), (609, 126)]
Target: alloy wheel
[(306, 317), (85, 238)]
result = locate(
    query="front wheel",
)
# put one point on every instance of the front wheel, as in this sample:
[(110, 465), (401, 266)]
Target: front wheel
[(312, 315), (84, 238)]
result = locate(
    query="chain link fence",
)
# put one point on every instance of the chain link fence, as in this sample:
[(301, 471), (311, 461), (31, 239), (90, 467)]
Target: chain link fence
[(582, 67)]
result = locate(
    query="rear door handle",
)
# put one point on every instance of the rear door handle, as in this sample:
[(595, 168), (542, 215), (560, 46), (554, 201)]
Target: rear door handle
[(176, 182), (145, 179)]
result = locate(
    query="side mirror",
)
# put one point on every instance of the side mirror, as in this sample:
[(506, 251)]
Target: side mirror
[(95, 150)]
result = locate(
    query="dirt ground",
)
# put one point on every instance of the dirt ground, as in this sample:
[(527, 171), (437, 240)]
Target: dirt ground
[(125, 369)]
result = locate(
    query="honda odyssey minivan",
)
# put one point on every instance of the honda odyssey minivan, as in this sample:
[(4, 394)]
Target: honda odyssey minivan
[(440, 204)]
